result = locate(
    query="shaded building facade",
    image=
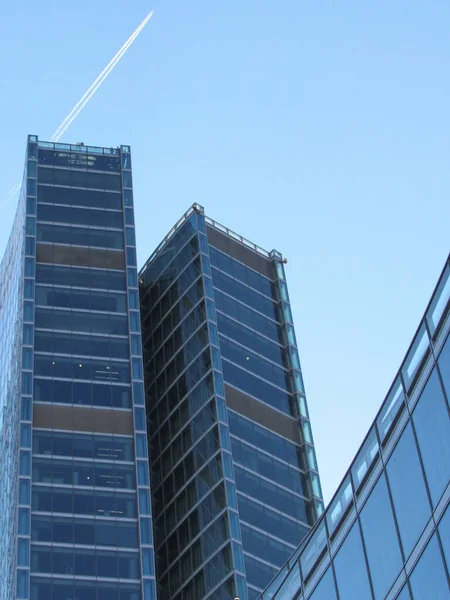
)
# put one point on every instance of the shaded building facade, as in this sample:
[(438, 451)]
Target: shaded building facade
[(72, 394), (386, 533), (233, 469)]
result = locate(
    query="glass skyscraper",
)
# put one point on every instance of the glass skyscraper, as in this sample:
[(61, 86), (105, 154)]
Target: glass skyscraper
[(386, 533), (233, 469), (75, 507)]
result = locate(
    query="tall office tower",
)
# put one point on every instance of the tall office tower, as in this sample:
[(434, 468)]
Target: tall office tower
[(234, 475), (74, 465), (386, 533)]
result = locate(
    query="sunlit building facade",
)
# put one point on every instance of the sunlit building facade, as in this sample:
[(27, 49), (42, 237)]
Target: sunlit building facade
[(75, 495), (386, 533), (233, 469)]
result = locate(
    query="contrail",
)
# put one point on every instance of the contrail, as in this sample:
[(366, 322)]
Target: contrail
[(98, 82), (12, 194)]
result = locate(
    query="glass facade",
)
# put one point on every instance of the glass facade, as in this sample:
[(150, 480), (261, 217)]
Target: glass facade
[(234, 475), (77, 458), (385, 534)]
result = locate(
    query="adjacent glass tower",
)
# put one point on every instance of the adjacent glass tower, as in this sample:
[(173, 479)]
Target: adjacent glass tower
[(233, 468), (75, 495), (386, 533)]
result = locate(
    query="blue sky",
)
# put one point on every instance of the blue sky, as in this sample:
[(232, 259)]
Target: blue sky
[(320, 129)]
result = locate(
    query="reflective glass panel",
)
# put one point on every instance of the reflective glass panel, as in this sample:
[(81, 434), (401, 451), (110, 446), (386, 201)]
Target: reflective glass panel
[(408, 490), (383, 551), (432, 426), (350, 567), (428, 580), (325, 590)]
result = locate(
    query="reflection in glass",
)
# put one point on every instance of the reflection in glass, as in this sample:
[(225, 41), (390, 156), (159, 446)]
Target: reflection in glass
[(383, 551), (325, 590), (444, 531), (428, 580), (350, 568), (432, 426), (408, 490)]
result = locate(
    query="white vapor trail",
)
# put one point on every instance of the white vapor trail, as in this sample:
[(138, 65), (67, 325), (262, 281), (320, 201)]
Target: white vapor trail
[(13, 192), (98, 82)]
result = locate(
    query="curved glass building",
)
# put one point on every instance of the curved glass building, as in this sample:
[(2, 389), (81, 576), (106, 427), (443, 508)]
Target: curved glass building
[(386, 533)]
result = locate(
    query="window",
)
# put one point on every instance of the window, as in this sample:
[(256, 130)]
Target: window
[(383, 551), (71, 197), (444, 366), (80, 277), (428, 580), (350, 567), (79, 216), (325, 590), (432, 426), (408, 490), (444, 531), (79, 236)]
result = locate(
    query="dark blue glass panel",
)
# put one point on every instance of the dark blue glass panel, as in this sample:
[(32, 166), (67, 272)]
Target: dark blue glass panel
[(85, 179), (79, 216), (80, 299), (326, 589), (78, 236), (65, 158), (71, 320), (428, 580), (408, 490), (265, 547), (383, 551), (80, 277), (432, 426), (350, 567), (72, 197)]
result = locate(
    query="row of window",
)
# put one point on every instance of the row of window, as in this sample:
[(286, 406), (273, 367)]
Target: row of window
[(262, 438), (81, 299), (170, 429), (167, 354), (251, 339), (46, 588), (72, 320), (83, 502), (200, 486), (79, 236), (153, 313), (81, 393), (267, 466), (83, 445), (257, 572), (271, 494), (49, 365), (53, 213), (155, 337), (61, 158), (84, 345), (60, 530), (247, 316), (199, 586), (190, 464), (67, 472), (83, 277), (191, 375), (243, 294), (95, 563), (265, 518), (237, 270), (85, 179), (173, 270), (77, 197), (264, 547), (209, 508), (163, 465), (170, 250), (253, 385), (197, 553), (250, 361)]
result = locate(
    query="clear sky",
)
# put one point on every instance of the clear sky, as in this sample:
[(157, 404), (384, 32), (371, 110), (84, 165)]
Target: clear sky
[(320, 129)]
